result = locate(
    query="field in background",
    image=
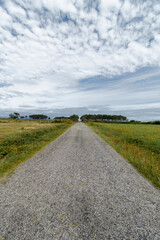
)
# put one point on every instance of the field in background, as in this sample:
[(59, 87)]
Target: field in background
[(9, 126), (139, 144), (21, 139)]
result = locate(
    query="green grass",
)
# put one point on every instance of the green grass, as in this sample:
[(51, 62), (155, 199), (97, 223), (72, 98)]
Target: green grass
[(138, 144), (24, 140)]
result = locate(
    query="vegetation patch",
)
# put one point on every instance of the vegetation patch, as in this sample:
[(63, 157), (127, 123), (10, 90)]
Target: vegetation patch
[(18, 146), (139, 144)]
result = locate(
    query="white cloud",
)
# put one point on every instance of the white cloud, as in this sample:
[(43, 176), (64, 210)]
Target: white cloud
[(15, 10), (48, 46), (65, 5), (109, 4), (56, 5), (5, 18)]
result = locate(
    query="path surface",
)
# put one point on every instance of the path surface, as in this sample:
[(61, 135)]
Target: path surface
[(78, 187)]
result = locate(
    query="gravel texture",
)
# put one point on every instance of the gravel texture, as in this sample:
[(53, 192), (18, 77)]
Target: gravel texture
[(78, 188)]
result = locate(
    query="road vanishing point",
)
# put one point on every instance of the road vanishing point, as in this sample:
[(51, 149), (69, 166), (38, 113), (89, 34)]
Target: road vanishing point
[(78, 188)]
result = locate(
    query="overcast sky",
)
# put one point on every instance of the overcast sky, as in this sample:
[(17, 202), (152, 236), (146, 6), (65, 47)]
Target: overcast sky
[(80, 56)]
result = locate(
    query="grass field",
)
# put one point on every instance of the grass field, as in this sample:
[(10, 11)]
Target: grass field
[(138, 144), (21, 139)]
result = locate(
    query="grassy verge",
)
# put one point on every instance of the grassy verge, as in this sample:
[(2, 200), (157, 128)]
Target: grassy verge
[(138, 144), (17, 147)]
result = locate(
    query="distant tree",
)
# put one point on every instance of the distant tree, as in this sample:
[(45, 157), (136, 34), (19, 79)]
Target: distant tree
[(103, 117), (17, 114), (11, 115), (38, 116), (74, 118), (14, 115), (132, 121), (26, 116), (21, 117)]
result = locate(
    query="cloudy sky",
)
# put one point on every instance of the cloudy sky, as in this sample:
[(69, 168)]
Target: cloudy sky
[(80, 56)]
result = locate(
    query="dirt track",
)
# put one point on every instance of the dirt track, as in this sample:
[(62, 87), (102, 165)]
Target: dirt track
[(78, 187)]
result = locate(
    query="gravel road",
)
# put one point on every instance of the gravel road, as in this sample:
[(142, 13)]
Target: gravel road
[(78, 188)]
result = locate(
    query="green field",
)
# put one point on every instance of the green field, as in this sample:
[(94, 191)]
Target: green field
[(138, 144), (21, 139)]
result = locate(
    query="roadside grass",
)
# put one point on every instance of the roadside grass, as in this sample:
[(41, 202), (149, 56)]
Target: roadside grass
[(20, 140), (138, 144)]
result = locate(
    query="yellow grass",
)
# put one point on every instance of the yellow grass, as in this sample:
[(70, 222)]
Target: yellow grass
[(9, 126)]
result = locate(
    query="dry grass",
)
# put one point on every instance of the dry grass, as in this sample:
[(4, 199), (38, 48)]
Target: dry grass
[(9, 126)]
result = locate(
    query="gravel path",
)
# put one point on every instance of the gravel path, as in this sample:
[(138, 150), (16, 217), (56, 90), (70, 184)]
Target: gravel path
[(78, 188)]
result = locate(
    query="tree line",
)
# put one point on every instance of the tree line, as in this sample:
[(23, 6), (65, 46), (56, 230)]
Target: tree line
[(16, 115), (74, 117), (103, 117), (86, 117)]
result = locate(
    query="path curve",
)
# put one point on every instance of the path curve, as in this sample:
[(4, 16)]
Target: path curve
[(78, 187)]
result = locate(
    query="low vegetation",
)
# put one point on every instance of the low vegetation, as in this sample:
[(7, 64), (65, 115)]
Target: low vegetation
[(139, 144), (21, 139)]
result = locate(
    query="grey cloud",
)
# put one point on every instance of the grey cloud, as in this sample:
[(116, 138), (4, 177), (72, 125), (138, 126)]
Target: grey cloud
[(25, 106), (3, 84)]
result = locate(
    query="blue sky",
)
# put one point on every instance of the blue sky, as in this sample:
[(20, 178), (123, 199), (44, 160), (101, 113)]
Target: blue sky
[(60, 57)]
